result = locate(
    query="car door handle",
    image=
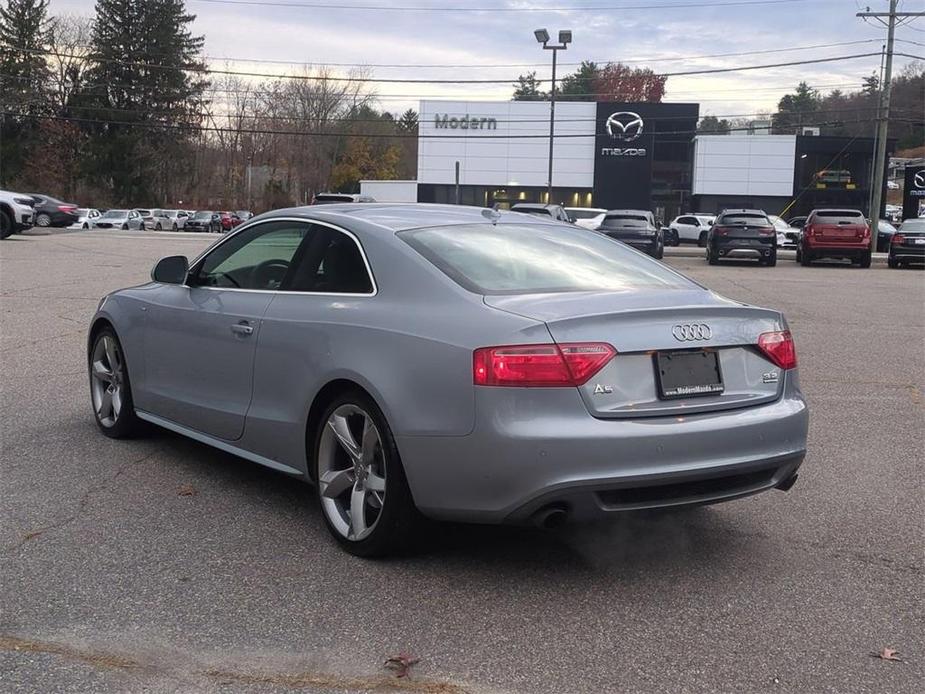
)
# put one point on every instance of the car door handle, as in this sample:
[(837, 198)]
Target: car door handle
[(242, 329)]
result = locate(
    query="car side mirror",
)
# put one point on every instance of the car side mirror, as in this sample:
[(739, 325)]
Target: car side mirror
[(171, 270)]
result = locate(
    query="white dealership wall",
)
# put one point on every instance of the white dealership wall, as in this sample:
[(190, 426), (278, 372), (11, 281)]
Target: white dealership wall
[(744, 165), (390, 191), (507, 160)]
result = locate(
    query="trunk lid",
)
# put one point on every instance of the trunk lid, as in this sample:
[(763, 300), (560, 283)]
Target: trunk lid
[(839, 225), (640, 325)]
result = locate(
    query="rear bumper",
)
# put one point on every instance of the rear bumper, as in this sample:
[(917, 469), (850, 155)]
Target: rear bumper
[(916, 253), (743, 248), (518, 459), (836, 249)]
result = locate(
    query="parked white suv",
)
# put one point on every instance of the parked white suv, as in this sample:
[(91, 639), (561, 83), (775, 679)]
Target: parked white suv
[(173, 220), (692, 228), (16, 213)]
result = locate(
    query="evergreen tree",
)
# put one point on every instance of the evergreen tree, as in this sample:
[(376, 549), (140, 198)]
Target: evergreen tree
[(23, 79), (711, 125), (145, 94), (579, 86), (797, 109), (528, 88), (408, 123)]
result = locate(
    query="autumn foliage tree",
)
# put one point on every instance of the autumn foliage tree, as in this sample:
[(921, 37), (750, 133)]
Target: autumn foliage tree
[(619, 82)]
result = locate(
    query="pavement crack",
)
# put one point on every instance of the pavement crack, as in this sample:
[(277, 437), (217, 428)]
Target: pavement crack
[(82, 505), (98, 660)]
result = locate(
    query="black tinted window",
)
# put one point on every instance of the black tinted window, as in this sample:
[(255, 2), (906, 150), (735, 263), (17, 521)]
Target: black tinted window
[(625, 220), (331, 263), (746, 218), (583, 214), (828, 215)]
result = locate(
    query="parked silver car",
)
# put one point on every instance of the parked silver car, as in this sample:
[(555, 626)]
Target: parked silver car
[(119, 219), (172, 220), (453, 362)]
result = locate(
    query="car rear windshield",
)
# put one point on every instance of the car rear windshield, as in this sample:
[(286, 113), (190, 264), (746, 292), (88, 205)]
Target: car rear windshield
[(751, 219), (333, 198), (913, 225), (625, 220), (840, 216), (525, 258), (582, 214), (203, 215)]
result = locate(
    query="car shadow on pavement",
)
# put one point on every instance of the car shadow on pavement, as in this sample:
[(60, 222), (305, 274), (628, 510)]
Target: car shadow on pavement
[(637, 540)]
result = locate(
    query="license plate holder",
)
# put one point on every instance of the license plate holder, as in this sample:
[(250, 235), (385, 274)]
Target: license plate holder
[(688, 374), (918, 242)]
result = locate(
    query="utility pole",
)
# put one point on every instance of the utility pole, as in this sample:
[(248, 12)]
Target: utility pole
[(883, 114)]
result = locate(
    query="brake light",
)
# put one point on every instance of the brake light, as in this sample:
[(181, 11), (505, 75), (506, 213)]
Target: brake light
[(779, 348), (866, 231), (766, 232), (570, 364), (810, 230), (720, 231), (67, 208), (897, 238)]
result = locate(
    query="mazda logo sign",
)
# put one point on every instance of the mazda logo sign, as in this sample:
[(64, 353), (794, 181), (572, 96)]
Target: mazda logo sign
[(690, 332), (919, 179), (624, 125)]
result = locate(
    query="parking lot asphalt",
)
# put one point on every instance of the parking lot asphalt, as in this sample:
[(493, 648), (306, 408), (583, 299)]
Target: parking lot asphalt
[(161, 565)]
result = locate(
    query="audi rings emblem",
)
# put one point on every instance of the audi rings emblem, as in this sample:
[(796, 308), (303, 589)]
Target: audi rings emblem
[(691, 332)]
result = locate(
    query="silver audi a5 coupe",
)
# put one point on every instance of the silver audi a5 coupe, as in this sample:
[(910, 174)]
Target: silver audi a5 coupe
[(453, 363)]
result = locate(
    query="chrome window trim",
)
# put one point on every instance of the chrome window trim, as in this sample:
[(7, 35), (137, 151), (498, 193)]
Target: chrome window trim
[(303, 220)]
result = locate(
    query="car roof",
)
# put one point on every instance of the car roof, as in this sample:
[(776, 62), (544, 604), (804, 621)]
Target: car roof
[(399, 216), (628, 212), (836, 209), (586, 209), (744, 210)]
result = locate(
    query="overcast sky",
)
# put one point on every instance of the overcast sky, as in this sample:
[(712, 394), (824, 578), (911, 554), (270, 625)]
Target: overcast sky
[(612, 30)]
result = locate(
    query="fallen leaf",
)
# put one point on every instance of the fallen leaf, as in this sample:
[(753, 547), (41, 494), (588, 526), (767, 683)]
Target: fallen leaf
[(187, 490), (401, 664), (887, 654)]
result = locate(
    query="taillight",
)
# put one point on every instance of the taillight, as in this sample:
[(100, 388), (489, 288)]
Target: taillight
[(766, 232), (720, 231), (866, 233), (810, 230), (779, 348), (897, 238), (67, 208), (570, 364)]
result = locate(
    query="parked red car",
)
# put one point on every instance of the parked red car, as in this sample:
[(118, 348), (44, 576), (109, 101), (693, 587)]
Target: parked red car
[(835, 233), (229, 220)]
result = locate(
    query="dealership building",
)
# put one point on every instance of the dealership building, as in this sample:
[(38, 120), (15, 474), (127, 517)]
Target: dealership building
[(624, 155)]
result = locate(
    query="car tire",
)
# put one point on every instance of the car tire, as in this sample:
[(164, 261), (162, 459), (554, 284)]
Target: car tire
[(659, 251), (174, 227), (110, 387), (85, 226), (158, 227), (702, 240), (42, 220), (771, 260), (345, 479), (864, 260), (6, 225), (892, 263), (712, 259), (805, 259)]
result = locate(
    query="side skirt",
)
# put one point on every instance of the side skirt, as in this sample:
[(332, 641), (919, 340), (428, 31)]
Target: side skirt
[(217, 443)]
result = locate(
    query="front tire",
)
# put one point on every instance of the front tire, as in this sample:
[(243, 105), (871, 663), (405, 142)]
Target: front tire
[(805, 259), (659, 251), (85, 226), (892, 263), (361, 484), (771, 259), (158, 227), (6, 225), (110, 387)]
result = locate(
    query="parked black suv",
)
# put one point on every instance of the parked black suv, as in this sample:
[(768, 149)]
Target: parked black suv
[(742, 234), (204, 220), (636, 228)]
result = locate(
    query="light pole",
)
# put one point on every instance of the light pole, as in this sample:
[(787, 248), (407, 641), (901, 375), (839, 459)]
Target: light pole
[(565, 38)]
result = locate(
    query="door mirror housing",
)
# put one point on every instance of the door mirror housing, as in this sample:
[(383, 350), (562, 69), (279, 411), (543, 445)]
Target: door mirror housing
[(171, 270)]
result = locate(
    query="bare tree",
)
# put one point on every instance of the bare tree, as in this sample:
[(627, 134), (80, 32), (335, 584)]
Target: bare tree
[(68, 57)]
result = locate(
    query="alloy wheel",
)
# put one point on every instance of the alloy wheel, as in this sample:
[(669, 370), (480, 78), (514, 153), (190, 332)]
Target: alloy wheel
[(351, 472), (43, 220), (108, 380)]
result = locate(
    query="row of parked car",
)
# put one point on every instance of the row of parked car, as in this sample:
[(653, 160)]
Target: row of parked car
[(745, 233), (160, 220)]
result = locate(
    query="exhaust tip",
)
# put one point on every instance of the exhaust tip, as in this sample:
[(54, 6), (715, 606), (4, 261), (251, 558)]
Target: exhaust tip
[(788, 483), (550, 517)]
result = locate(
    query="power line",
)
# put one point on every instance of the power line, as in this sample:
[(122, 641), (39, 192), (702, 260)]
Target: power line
[(419, 8), (480, 66), (394, 80), (264, 131)]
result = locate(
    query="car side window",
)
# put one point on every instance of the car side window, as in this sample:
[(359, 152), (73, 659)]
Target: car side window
[(331, 263), (258, 258), (687, 220)]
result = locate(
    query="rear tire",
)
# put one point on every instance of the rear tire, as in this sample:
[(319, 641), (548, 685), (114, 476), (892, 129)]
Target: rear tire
[(892, 263), (42, 220), (702, 240), (110, 387), (772, 259), (864, 260), (805, 259), (364, 497), (659, 251), (712, 259)]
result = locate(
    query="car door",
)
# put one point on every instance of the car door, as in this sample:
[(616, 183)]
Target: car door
[(688, 228), (201, 337)]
